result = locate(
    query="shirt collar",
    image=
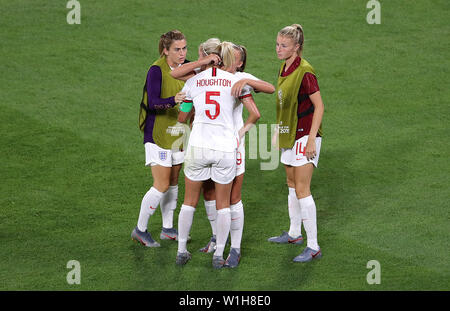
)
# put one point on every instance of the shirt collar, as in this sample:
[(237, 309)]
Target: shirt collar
[(292, 67)]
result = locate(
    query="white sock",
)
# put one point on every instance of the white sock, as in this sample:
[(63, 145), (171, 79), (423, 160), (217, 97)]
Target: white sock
[(308, 207), (237, 224), (211, 212), (149, 205), (223, 230), (168, 205), (295, 214), (184, 226)]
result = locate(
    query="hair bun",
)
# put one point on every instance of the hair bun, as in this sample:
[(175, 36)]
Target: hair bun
[(298, 26)]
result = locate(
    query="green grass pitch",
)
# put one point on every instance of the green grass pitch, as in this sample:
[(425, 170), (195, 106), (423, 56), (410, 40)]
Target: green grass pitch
[(72, 160)]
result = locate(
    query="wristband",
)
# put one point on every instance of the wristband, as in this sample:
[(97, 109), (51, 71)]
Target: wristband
[(186, 106)]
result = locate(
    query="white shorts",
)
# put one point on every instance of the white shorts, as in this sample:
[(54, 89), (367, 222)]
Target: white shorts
[(201, 164), (296, 155), (155, 155), (240, 159)]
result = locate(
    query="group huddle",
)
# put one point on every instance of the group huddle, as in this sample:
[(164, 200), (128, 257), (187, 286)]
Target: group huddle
[(208, 95)]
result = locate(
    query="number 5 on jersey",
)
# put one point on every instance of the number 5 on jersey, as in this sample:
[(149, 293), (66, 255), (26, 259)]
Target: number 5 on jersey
[(210, 101)]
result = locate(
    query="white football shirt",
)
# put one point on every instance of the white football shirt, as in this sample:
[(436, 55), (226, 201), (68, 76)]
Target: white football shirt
[(237, 113), (210, 92)]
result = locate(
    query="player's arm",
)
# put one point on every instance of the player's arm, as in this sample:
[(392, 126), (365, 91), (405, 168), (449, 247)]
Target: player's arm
[(310, 149), (257, 85), (187, 71), (186, 111), (191, 117), (153, 85), (261, 86), (253, 114)]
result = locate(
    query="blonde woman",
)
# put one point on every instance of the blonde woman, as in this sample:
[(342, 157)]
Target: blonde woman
[(211, 152), (237, 208), (299, 117)]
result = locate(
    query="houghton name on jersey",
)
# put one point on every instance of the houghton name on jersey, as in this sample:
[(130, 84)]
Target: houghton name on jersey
[(214, 126)]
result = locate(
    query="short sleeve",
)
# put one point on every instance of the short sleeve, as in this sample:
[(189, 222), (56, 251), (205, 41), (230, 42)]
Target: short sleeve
[(186, 89), (247, 75), (309, 84), (246, 92)]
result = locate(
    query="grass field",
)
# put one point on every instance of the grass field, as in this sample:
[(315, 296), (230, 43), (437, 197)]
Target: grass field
[(73, 175)]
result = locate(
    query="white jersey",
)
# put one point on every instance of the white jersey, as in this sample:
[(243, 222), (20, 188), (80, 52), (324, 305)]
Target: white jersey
[(237, 113), (210, 92)]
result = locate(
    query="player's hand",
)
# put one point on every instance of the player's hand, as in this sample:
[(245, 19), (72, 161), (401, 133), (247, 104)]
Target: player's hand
[(179, 97), (210, 59), (236, 90), (241, 133), (310, 149)]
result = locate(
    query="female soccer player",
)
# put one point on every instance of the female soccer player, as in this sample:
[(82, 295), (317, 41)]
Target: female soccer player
[(163, 94), (236, 208), (206, 56), (299, 117), (211, 151)]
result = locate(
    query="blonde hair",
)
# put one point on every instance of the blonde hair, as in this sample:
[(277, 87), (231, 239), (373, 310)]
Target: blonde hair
[(226, 52), (243, 51), (295, 32), (166, 40), (209, 46)]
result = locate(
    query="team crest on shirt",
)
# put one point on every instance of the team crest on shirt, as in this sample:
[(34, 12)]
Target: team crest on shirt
[(163, 155)]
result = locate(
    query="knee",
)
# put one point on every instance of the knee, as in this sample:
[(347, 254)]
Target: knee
[(174, 176), (161, 186), (222, 204), (290, 183), (209, 195), (190, 201), (235, 198), (174, 181), (302, 190)]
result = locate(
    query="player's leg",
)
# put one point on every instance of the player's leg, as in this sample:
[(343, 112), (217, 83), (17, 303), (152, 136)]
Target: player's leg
[(293, 236), (223, 192), (223, 172), (186, 216), (295, 228), (169, 204), (237, 222), (196, 170), (209, 195), (149, 204), (303, 176), (237, 212), (237, 208)]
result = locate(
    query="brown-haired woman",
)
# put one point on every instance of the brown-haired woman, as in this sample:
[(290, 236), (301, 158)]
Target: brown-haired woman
[(162, 93)]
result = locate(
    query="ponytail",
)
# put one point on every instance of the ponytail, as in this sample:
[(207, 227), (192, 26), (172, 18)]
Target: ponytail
[(295, 32), (225, 51), (243, 51), (209, 46)]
